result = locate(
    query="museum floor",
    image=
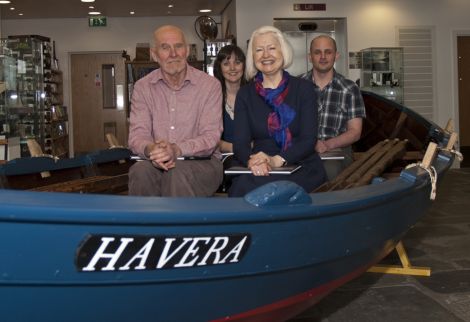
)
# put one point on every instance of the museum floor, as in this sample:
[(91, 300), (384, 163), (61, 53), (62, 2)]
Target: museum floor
[(440, 241)]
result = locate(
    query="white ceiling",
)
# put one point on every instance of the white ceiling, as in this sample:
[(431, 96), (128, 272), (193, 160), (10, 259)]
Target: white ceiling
[(35, 9)]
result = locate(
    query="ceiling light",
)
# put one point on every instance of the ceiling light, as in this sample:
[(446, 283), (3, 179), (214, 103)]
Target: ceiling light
[(12, 8), (170, 6), (132, 12), (4, 1), (205, 10), (87, 0), (94, 13), (91, 7), (20, 14)]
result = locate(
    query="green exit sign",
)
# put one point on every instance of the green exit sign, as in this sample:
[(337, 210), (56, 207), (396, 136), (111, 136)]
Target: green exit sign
[(97, 21)]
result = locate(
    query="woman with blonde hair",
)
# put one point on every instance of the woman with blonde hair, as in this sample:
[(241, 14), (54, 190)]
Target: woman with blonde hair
[(275, 119)]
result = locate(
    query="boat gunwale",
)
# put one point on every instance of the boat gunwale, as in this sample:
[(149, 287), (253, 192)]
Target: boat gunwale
[(83, 209)]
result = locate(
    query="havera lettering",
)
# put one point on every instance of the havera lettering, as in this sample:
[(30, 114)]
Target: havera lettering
[(132, 253)]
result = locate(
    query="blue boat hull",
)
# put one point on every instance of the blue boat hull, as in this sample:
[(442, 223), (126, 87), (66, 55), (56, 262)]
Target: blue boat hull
[(73, 257)]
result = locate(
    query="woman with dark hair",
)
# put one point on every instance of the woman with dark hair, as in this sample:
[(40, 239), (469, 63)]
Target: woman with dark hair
[(276, 120), (229, 69)]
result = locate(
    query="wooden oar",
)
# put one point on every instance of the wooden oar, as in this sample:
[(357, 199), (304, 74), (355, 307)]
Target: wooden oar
[(364, 167), (331, 185), (397, 152)]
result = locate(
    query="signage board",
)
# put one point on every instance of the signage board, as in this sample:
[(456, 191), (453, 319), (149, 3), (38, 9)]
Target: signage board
[(309, 6), (97, 21)]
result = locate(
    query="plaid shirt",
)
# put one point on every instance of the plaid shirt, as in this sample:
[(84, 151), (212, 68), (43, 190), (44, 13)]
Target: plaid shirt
[(338, 102)]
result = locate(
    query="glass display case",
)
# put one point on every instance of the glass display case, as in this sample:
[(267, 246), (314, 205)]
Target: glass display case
[(27, 102), (9, 133), (213, 47), (382, 72), (31, 103)]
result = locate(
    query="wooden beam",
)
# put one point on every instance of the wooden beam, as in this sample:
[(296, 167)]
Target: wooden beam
[(450, 126), (429, 155), (36, 151), (452, 140), (405, 269)]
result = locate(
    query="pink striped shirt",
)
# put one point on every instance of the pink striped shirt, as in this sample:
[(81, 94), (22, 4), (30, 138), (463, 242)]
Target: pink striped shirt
[(190, 116)]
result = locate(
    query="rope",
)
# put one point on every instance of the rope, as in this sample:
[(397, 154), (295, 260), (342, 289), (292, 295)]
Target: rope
[(458, 154), (432, 174)]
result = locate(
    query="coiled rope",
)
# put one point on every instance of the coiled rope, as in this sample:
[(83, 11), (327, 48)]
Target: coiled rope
[(432, 175)]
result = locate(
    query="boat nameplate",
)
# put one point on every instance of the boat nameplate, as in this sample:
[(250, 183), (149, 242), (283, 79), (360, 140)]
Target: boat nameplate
[(142, 252)]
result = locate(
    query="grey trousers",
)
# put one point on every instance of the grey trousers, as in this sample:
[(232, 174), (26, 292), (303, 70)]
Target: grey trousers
[(190, 178), (335, 167)]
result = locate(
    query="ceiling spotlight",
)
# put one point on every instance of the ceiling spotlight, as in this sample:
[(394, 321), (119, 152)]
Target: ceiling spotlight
[(205, 10), (20, 14), (170, 6), (132, 12), (91, 7), (94, 13), (4, 1), (12, 8), (87, 0)]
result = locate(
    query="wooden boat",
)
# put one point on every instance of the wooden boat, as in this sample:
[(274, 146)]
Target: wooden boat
[(265, 257)]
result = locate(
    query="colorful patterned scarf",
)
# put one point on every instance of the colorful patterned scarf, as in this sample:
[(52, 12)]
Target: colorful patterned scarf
[(282, 114)]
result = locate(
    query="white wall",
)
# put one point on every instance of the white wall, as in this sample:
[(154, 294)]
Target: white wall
[(370, 23), (373, 23)]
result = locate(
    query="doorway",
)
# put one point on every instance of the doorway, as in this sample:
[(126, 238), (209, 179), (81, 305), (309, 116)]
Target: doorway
[(463, 54), (97, 100), (300, 32)]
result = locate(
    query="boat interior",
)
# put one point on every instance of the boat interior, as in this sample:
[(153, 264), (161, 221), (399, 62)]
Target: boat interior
[(390, 140)]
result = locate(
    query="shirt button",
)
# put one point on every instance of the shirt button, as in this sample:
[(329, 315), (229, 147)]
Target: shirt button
[(172, 127)]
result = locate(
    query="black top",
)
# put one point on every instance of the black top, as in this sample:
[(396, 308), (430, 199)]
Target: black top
[(227, 135), (251, 115)]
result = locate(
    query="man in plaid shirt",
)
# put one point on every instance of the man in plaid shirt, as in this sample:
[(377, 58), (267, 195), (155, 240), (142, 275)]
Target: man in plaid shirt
[(340, 105)]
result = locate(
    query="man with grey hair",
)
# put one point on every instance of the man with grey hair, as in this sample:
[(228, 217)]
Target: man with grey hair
[(340, 104), (175, 116)]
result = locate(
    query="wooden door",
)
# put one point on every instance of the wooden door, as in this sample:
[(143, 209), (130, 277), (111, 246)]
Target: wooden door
[(97, 100), (463, 52)]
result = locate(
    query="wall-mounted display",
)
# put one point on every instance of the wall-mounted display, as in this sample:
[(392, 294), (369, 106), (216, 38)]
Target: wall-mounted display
[(382, 72)]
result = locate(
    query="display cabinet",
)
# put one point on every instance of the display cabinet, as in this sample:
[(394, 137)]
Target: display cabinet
[(56, 138), (382, 72), (213, 47), (35, 103), (9, 132), (25, 102)]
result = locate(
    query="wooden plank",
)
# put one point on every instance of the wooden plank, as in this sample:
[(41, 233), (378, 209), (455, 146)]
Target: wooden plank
[(399, 125), (452, 141), (36, 151), (405, 269), (113, 141), (450, 126), (95, 184), (429, 155)]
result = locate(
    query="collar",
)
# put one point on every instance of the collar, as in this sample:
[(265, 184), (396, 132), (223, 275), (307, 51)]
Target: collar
[(333, 79), (190, 77)]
